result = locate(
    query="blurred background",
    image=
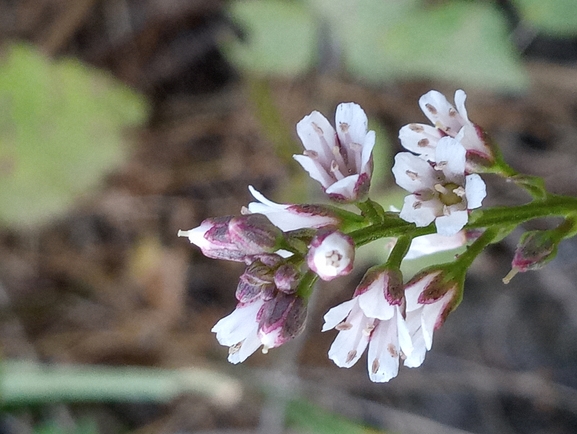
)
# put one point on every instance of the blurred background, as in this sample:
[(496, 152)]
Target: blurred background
[(122, 121)]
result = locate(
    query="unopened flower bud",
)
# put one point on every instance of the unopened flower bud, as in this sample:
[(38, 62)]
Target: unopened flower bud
[(331, 254), (534, 250), (281, 319), (256, 281), (287, 278), (213, 238), (254, 234)]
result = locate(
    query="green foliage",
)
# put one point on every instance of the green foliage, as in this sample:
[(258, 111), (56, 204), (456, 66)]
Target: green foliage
[(465, 42), (380, 41), (281, 37), (557, 17), (25, 383), (61, 126), (310, 419)]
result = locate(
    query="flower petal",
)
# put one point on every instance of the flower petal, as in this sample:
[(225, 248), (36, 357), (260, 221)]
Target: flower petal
[(441, 113), (420, 139), (451, 156), (317, 135), (413, 173), (337, 314), (475, 191), (449, 225), (373, 302), (383, 355), (314, 169), (349, 344), (422, 213)]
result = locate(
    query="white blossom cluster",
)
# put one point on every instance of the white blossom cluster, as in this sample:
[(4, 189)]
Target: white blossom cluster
[(394, 320)]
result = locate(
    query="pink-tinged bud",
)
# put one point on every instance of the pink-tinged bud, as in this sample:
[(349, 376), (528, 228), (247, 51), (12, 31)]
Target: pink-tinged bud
[(254, 234), (256, 281), (389, 279), (281, 319), (534, 250), (287, 278), (331, 254), (213, 238)]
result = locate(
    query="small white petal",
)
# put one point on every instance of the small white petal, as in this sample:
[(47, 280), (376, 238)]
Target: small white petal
[(453, 155), (383, 355), (475, 191), (417, 356), (318, 135), (420, 139), (460, 97), (350, 344), (413, 173), (245, 349), (344, 187), (440, 112), (235, 327), (433, 243), (337, 314), (373, 302), (367, 152), (314, 169), (422, 213), (355, 119), (451, 224)]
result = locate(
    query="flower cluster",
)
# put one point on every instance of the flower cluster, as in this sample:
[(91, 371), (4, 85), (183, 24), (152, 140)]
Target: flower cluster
[(286, 247)]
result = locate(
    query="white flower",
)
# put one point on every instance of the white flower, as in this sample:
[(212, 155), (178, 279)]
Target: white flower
[(239, 330), (440, 193), (427, 308), (374, 318), (291, 217), (434, 243), (448, 121), (340, 160), (331, 254)]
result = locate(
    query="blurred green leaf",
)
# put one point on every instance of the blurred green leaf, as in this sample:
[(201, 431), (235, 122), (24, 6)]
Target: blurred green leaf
[(281, 37), (61, 131), (463, 42), (361, 30), (310, 419), (23, 383), (557, 17)]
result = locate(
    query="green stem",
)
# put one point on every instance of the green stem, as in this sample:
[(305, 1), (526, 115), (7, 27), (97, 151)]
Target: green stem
[(306, 285), (551, 206), (466, 258), (399, 251)]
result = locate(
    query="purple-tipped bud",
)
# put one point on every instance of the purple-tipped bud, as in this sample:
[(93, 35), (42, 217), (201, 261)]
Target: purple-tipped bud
[(287, 278), (213, 238), (256, 281), (281, 319), (254, 234), (534, 250), (331, 254), (390, 280)]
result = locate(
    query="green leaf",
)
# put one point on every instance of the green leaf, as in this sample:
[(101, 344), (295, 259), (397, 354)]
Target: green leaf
[(311, 419), (23, 383), (461, 42), (361, 31), (61, 131), (556, 17), (281, 37)]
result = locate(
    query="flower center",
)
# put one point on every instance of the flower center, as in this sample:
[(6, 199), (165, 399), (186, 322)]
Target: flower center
[(449, 193)]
